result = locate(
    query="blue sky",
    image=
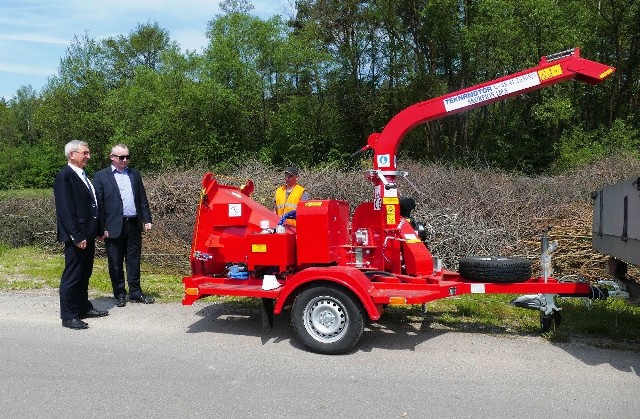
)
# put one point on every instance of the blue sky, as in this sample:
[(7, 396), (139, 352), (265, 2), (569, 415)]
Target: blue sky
[(34, 34)]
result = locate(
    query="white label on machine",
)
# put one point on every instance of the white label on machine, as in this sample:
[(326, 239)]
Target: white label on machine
[(235, 210), (377, 199), (492, 91), (384, 160), (390, 193), (477, 289)]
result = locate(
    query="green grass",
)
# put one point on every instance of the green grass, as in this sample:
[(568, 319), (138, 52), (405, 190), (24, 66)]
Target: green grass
[(609, 323), (613, 323), (31, 268), (25, 193)]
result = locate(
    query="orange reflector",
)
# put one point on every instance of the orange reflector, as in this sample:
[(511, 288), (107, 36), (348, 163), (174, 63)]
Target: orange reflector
[(397, 300), (191, 291)]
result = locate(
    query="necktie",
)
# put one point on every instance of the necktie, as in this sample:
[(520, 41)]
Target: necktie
[(86, 180)]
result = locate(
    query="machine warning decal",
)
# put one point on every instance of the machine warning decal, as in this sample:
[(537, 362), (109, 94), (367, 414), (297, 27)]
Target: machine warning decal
[(390, 201), (391, 214), (377, 200), (551, 72), (491, 92), (411, 238), (391, 192), (313, 204), (259, 248), (384, 160), (235, 210)]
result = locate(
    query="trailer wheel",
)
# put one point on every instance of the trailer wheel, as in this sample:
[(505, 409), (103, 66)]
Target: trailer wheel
[(327, 320), (492, 269)]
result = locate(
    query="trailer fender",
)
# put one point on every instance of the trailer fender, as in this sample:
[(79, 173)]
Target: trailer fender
[(348, 277)]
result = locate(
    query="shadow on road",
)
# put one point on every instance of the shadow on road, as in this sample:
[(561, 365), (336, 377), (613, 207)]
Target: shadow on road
[(391, 332)]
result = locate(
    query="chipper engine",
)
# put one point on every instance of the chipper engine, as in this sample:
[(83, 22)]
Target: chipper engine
[(335, 267)]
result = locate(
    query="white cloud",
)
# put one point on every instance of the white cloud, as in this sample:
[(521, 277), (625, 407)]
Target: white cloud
[(25, 69), (34, 34), (33, 37)]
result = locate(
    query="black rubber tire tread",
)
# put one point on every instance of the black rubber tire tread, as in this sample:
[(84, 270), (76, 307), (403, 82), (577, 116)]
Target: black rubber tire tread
[(353, 329), (495, 269)]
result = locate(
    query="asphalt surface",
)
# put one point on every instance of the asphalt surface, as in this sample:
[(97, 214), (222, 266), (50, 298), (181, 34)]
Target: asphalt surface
[(214, 360)]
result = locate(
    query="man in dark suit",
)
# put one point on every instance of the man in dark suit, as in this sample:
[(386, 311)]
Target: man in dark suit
[(77, 223), (124, 210)]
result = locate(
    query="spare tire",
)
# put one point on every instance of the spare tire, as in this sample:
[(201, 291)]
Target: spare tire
[(495, 269)]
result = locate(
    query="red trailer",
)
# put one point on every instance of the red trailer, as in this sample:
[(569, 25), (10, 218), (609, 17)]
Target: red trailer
[(334, 268)]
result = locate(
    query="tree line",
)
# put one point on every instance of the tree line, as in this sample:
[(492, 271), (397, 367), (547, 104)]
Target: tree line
[(309, 88)]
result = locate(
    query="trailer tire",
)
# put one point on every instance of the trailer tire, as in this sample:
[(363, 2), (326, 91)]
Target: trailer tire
[(495, 269), (327, 319)]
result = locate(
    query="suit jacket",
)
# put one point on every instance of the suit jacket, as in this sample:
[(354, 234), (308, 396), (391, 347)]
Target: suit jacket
[(76, 212), (110, 201)]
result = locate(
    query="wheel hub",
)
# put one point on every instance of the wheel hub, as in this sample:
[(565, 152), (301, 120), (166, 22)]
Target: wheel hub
[(326, 318)]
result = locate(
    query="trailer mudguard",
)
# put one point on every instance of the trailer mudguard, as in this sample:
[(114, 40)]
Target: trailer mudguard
[(350, 278)]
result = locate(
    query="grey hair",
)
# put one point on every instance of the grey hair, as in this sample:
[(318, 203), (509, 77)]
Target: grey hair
[(113, 149), (72, 146)]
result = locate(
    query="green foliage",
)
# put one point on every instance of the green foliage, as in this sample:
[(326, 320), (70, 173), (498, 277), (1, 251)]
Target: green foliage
[(579, 147), (312, 89)]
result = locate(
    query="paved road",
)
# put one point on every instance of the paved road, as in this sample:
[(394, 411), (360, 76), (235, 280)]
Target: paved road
[(212, 360)]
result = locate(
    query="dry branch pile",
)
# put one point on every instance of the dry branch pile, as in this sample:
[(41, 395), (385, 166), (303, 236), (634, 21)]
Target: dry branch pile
[(479, 211)]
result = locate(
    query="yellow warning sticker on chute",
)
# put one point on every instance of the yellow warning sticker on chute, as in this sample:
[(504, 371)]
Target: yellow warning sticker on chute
[(550, 72)]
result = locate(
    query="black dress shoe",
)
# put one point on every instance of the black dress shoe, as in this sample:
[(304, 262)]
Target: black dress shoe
[(144, 299), (76, 324), (95, 313), (122, 301)]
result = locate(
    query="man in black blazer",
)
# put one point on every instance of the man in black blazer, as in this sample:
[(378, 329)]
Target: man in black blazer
[(124, 210), (77, 225)]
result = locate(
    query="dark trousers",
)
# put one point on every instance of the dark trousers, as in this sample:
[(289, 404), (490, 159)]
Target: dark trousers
[(74, 283), (126, 248)]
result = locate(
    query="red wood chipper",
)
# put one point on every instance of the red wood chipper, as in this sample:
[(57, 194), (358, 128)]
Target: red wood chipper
[(334, 268)]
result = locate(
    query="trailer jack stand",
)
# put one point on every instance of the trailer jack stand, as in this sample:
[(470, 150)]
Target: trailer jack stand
[(545, 303), (267, 314)]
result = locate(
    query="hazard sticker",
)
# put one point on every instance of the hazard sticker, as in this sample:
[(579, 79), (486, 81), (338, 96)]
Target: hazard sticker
[(391, 214), (377, 200), (412, 238), (235, 210)]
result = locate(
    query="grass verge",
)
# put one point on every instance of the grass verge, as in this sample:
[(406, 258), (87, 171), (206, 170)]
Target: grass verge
[(609, 323), (26, 268)]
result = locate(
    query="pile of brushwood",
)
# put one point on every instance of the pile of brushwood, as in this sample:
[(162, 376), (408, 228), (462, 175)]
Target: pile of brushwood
[(468, 211)]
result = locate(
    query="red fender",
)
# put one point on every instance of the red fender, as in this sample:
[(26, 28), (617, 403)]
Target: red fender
[(350, 278)]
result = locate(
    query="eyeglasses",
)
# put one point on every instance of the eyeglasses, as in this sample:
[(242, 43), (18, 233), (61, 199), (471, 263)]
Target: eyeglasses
[(127, 157), (84, 153)]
